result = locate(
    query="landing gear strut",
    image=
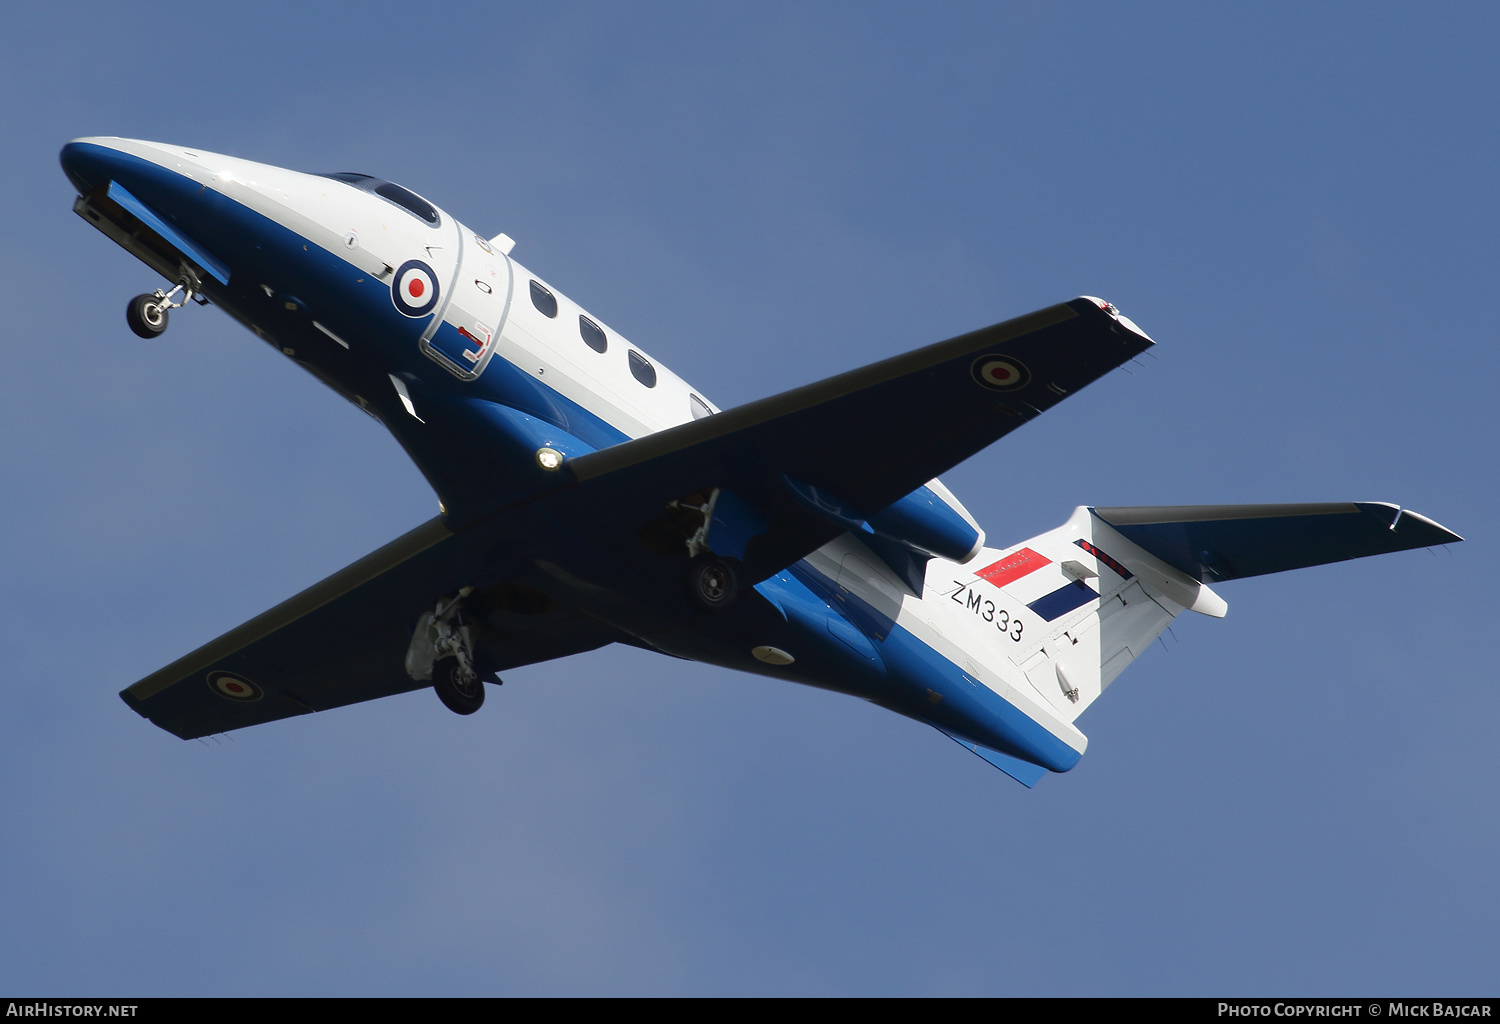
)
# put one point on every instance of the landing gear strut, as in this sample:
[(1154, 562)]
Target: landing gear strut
[(147, 314), (710, 583)]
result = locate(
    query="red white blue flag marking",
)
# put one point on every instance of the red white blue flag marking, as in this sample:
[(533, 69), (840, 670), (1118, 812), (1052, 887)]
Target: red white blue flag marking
[(1016, 574)]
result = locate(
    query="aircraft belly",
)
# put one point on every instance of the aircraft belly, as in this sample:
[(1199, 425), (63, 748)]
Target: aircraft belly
[(921, 672)]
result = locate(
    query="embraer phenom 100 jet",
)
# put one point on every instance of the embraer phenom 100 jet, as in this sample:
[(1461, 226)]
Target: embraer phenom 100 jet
[(589, 496)]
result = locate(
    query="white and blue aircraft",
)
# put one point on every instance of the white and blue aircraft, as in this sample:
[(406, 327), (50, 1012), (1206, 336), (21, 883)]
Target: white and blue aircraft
[(589, 496)]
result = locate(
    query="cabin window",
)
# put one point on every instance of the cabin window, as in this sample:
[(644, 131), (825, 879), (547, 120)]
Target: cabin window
[(641, 367), (593, 334), (699, 406), (544, 301)]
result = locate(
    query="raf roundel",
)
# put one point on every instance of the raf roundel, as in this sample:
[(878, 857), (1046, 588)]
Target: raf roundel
[(1000, 374), (227, 684), (415, 288)]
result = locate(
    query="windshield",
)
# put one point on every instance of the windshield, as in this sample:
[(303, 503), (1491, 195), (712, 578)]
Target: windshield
[(392, 193)]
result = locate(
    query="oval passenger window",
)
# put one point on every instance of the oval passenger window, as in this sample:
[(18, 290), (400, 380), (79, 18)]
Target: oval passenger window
[(642, 369), (699, 406), (544, 301), (593, 334)]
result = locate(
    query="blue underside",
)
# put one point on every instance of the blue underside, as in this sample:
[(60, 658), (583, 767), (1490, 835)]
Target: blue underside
[(1024, 772), (186, 246), (929, 687)]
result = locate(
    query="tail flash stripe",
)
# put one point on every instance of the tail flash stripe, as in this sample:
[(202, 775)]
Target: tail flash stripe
[(1061, 602), (1014, 566), (1119, 569)]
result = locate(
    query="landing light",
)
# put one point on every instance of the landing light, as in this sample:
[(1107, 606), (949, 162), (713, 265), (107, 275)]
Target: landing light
[(549, 458)]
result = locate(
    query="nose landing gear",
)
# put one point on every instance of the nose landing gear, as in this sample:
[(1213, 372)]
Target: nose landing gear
[(147, 314)]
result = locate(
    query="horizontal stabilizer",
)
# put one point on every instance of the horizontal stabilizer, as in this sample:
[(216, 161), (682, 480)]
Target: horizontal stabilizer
[(1224, 542)]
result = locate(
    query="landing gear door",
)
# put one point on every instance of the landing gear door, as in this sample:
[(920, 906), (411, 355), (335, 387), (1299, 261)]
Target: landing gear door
[(465, 338)]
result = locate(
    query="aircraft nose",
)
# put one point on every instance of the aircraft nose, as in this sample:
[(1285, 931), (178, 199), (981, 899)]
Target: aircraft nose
[(89, 163)]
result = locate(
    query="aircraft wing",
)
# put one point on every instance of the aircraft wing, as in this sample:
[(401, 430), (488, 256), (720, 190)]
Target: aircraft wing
[(344, 640), (865, 438)]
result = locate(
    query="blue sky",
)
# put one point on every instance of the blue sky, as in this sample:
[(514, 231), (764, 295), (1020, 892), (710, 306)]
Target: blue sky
[(1297, 201)]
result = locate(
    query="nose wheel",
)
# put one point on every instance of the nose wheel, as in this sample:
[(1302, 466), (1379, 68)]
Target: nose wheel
[(147, 314)]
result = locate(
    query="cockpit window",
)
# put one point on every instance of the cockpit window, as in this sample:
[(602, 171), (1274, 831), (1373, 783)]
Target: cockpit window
[(391, 192), (408, 200)]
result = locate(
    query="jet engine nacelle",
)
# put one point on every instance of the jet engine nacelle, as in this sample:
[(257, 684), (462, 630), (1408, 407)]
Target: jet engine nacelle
[(923, 521), (926, 523)]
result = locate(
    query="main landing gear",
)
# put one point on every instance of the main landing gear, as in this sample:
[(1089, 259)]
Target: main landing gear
[(711, 583), (147, 314), (458, 686), (442, 650)]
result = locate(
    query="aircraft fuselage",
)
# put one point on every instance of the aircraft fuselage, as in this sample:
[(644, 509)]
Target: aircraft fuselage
[(589, 496)]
